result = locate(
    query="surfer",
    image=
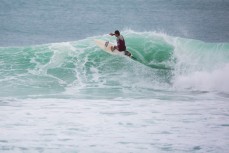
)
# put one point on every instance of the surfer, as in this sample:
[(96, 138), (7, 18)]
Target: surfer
[(121, 46)]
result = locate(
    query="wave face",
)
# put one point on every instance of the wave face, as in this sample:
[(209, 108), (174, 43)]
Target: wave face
[(80, 68)]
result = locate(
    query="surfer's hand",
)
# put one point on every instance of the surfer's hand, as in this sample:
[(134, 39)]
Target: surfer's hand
[(111, 34)]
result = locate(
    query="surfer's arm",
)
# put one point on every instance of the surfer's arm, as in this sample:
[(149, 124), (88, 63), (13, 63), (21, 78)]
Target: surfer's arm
[(112, 34)]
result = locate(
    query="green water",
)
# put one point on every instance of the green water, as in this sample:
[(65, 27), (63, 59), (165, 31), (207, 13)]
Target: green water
[(54, 69)]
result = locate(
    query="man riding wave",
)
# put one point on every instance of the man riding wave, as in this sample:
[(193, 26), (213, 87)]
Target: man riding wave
[(121, 46)]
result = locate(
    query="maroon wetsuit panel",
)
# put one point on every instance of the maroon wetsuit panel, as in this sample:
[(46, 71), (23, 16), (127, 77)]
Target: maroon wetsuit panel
[(121, 43)]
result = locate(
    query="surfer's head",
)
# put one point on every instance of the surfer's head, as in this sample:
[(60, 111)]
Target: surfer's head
[(117, 33)]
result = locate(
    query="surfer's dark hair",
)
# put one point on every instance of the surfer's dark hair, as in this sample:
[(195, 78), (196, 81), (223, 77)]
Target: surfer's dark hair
[(117, 32)]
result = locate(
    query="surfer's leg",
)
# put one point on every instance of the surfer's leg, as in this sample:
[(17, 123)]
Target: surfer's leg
[(127, 53), (112, 48)]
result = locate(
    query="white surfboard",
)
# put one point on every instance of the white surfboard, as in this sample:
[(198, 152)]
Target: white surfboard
[(106, 46)]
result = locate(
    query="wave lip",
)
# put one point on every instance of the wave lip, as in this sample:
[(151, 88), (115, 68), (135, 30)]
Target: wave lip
[(200, 65)]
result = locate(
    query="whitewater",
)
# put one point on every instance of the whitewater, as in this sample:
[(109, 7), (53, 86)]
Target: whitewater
[(59, 92)]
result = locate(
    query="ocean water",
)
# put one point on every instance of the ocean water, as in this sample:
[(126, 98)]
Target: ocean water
[(59, 92)]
